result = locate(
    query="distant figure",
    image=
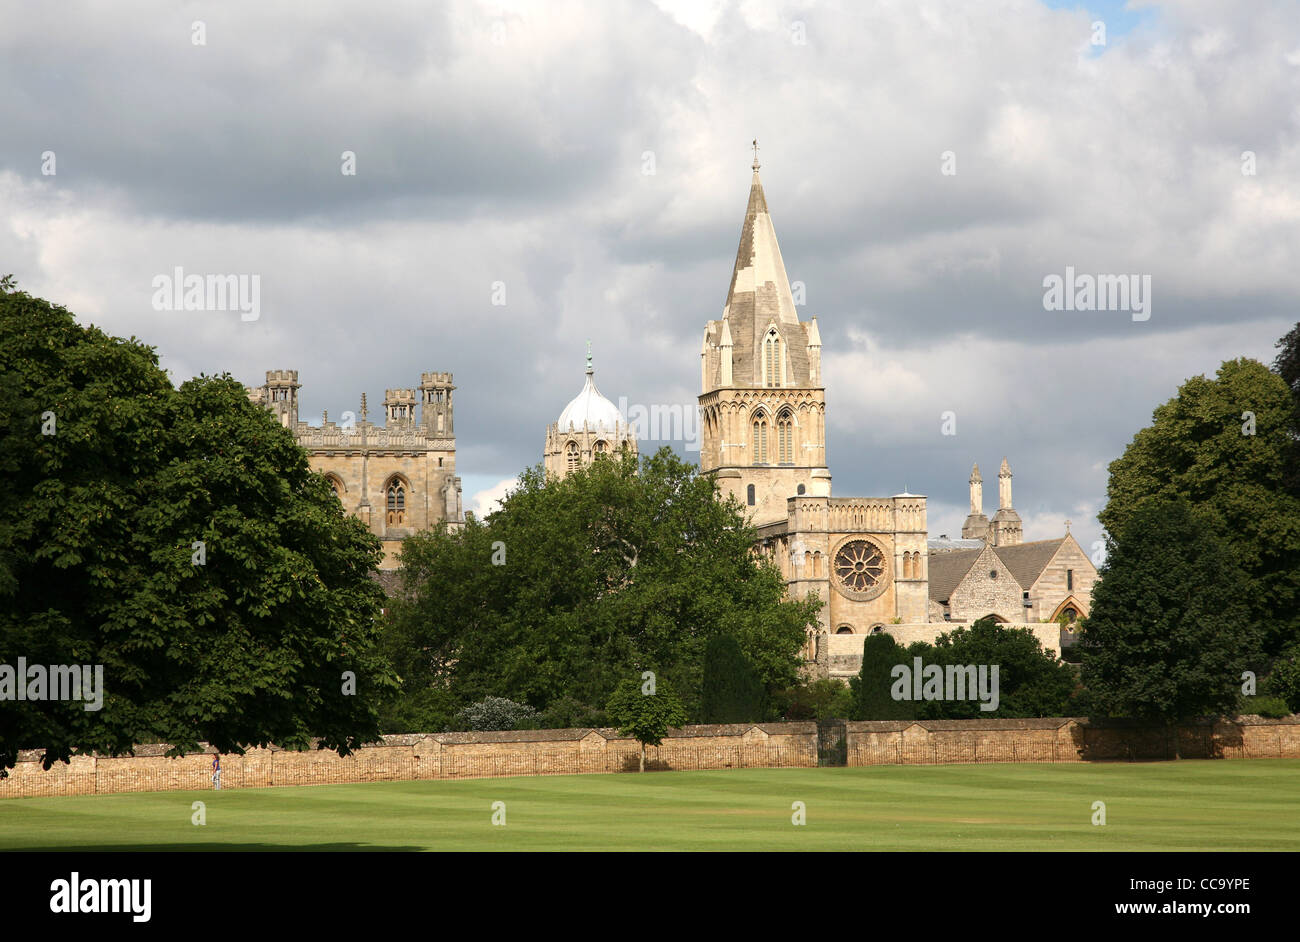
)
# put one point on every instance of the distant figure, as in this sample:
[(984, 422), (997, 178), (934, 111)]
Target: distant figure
[(216, 772)]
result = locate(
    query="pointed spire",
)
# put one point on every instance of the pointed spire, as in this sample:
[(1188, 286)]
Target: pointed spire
[(814, 335), (1004, 486), (760, 289), (976, 491)]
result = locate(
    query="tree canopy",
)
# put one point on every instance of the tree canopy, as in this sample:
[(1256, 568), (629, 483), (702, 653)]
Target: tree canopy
[(1225, 445), (1170, 630), (178, 538), (575, 582)]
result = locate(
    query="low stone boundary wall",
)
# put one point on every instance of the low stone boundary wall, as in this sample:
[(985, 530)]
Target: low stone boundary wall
[(422, 756), (578, 751), (925, 742)]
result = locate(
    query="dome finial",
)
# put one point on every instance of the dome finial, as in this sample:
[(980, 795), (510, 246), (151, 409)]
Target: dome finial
[(756, 155), (589, 369)]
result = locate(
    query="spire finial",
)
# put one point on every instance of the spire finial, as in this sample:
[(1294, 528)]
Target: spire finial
[(756, 155), (1067, 526), (589, 369)]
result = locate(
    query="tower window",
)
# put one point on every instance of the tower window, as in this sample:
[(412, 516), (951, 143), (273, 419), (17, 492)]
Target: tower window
[(571, 456), (1069, 580), (600, 448), (772, 359), (396, 502), (749, 493), (785, 438), (801, 489), (760, 439)]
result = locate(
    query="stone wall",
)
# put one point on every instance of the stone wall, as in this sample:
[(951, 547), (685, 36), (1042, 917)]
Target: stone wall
[(577, 751), (420, 756), (924, 742)]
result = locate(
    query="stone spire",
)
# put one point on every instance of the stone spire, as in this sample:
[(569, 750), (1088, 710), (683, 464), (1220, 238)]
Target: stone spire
[(759, 287), (976, 526), (1007, 527)]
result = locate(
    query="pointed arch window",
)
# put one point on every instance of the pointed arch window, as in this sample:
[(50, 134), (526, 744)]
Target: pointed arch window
[(785, 438), (396, 491), (760, 438), (335, 485), (772, 358), (571, 456), (749, 495), (600, 448)]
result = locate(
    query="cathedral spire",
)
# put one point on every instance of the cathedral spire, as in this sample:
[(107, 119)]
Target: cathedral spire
[(760, 290)]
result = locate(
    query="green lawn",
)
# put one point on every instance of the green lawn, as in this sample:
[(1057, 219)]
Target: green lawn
[(1188, 805)]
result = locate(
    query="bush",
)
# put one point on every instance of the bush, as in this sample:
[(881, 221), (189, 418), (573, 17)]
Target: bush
[(494, 713), (824, 699), (1267, 707)]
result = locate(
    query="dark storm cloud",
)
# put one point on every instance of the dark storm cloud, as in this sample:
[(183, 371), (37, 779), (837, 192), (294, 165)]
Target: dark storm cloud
[(510, 144)]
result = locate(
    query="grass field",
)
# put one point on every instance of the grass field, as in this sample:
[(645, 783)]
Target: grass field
[(1188, 805)]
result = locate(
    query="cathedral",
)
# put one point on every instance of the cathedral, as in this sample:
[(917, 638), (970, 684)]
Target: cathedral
[(397, 478), (869, 559), (762, 408)]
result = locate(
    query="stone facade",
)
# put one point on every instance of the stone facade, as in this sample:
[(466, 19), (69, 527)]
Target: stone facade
[(398, 478)]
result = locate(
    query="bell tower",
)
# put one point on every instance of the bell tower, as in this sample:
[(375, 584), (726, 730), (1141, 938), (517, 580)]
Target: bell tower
[(762, 403)]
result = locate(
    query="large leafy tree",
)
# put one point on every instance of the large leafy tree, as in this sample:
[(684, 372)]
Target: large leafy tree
[(872, 698), (578, 581), (732, 691), (1170, 631), (1226, 445), (112, 477), (1031, 681)]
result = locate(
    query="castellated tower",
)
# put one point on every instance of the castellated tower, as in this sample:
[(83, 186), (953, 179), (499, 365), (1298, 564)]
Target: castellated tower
[(280, 395), (762, 403), (398, 478), (1006, 529), (436, 410)]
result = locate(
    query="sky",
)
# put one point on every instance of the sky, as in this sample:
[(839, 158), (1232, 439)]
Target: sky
[(928, 164)]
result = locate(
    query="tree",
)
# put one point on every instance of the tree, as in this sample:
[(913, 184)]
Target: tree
[(732, 691), (495, 713), (575, 582), (1284, 681), (1031, 681), (1287, 365), (178, 538), (1170, 632), (872, 699), (645, 709), (1224, 445)]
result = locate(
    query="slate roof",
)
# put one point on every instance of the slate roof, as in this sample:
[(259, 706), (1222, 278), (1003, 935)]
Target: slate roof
[(948, 569), (1028, 560)]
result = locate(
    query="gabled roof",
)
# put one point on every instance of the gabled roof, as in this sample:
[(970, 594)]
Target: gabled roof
[(947, 570), (1028, 560)]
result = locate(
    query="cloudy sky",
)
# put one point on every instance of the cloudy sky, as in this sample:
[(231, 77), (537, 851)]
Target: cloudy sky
[(593, 158)]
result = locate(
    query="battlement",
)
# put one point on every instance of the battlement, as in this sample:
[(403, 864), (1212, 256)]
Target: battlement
[(435, 379), (394, 396), (281, 377)]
